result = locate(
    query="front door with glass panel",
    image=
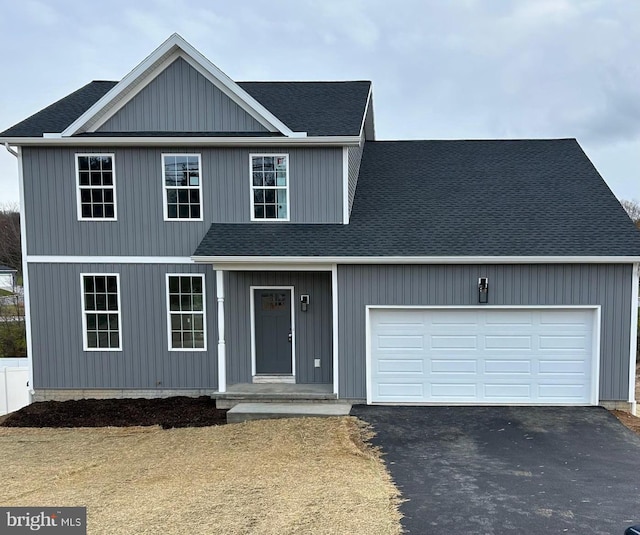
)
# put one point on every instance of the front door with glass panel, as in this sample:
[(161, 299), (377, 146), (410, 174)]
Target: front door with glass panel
[(273, 336)]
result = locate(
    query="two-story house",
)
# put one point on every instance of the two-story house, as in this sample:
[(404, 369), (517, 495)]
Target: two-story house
[(187, 234)]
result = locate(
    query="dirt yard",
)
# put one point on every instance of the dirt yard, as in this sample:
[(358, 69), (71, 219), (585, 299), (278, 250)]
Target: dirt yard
[(267, 477)]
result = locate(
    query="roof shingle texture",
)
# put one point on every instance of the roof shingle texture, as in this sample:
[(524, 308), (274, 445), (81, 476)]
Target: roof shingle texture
[(456, 198), (318, 108)]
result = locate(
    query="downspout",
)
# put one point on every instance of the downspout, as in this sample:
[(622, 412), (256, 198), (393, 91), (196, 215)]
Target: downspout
[(25, 270), (9, 149)]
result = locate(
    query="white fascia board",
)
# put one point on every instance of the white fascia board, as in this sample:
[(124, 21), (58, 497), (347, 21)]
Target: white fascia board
[(314, 260), (331, 141), (176, 43), (633, 338), (63, 259), (366, 109)]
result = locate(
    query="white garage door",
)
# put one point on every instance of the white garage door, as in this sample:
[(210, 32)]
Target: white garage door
[(483, 355)]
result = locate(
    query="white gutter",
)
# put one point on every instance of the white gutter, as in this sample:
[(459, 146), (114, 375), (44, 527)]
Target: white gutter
[(183, 140), (221, 260)]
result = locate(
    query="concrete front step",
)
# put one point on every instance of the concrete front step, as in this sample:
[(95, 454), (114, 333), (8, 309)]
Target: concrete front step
[(244, 412), (229, 400)]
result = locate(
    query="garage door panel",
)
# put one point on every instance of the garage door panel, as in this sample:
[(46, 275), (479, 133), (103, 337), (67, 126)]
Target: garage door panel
[(509, 367), (454, 391), (560, 391), (482, 355), (453, 366), (558, 341), (508, 342), (400, 391), (414, 366), (497, 391), (405, 341), (453, 342)]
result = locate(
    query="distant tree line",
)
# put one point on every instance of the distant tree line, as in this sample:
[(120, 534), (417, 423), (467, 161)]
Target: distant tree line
[(633, 209), (10, 246)]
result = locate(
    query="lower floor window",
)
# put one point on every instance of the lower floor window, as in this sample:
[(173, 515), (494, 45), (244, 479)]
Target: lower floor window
[(186, 312), (101, 312)]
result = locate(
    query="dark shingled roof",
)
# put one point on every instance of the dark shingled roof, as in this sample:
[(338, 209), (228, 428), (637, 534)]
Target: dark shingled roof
[(59, 115), (318, 108), (457, 198)]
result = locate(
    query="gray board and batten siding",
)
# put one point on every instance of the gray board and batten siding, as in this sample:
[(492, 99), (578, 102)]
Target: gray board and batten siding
[(313, 328), (315, 190), (145, 361), (607, 285), (180, 99)]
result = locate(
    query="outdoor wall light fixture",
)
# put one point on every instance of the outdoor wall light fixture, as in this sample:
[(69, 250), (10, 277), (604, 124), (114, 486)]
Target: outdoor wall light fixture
[(304, 302), (483, 290)]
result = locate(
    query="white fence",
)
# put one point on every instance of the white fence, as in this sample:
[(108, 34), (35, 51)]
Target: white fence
[(14, 392)]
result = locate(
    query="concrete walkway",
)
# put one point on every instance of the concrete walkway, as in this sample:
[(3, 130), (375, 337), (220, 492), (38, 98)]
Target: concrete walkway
[(243, 412)]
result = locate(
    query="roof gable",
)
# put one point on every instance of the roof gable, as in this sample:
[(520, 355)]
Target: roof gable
[(173, 48), (180, 99)]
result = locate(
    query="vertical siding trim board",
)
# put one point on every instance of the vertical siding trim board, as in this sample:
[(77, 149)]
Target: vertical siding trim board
[(335, 327), (633, 335), (345, 185), (252, 309), (597, 325), (25, 272)]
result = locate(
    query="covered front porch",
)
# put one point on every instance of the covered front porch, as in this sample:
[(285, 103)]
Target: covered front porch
[(277, 333)]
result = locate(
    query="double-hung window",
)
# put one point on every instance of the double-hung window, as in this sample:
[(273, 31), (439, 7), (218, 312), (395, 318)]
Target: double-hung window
[(182, 185), (186, 312), (96, 182), (269, 187), (101, 311)]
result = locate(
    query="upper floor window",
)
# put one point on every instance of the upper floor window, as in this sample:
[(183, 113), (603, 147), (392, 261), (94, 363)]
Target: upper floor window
[(182, 186), (269, 187), (96, 180), (101, 312)]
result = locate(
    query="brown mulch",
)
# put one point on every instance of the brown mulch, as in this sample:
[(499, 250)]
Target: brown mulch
[(171, 412)]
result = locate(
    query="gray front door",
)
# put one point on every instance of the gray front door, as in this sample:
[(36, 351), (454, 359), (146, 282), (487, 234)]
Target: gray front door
[(273, 332)]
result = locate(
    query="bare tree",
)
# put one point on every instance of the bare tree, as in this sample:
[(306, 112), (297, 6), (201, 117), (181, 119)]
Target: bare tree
[(10, 246), (633, 209)]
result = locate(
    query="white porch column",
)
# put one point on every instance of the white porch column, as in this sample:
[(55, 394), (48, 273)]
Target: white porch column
[(222, 348)]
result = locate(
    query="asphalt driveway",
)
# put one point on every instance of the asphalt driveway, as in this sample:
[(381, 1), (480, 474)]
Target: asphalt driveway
[(496, 470)]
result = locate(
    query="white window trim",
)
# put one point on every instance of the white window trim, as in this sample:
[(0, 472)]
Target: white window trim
[(85, 344), (204, 314), (251, 187), (165, 201), (115, 193)]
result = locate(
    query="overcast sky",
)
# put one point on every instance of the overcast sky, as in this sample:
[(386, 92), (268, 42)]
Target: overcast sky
[(440, 69)]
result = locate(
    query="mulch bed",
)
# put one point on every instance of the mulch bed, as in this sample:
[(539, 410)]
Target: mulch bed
[(177, 411)]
